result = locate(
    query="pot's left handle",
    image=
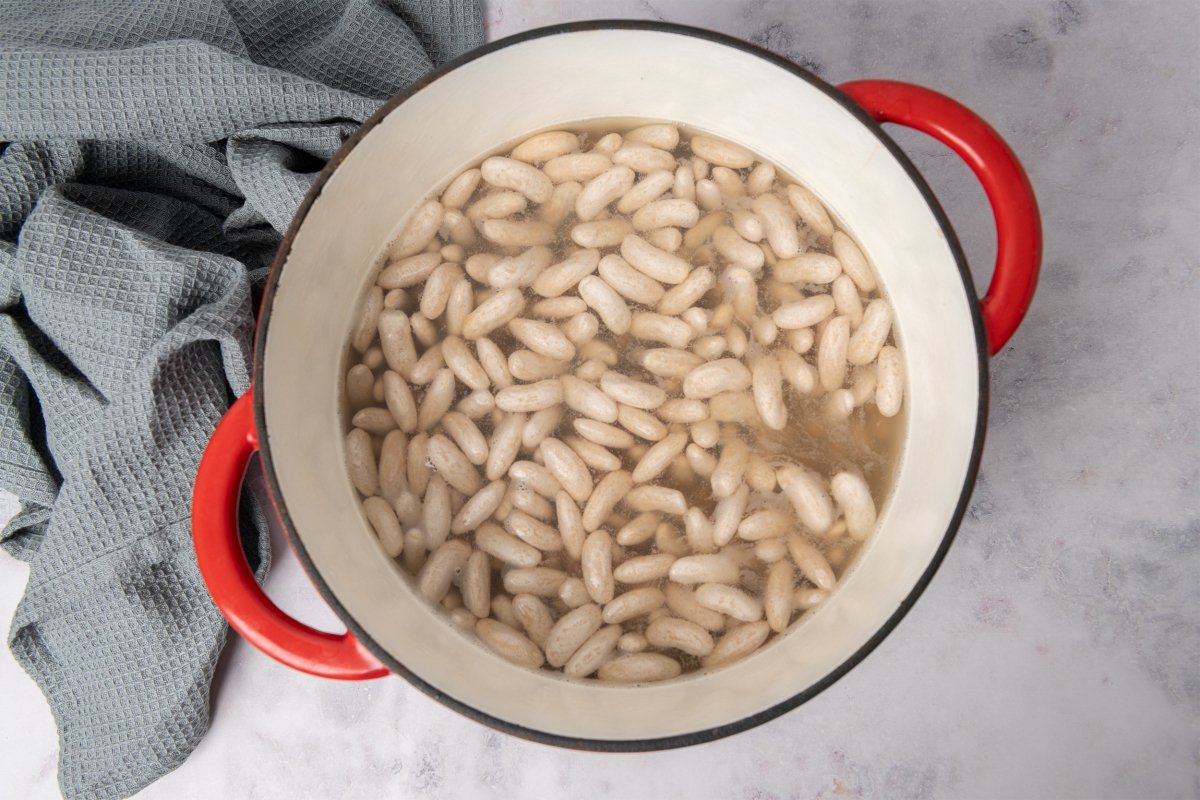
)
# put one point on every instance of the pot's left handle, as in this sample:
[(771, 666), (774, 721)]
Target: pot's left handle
[(231, 583)]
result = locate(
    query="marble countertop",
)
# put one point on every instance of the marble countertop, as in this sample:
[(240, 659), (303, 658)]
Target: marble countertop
[(1055, 653)]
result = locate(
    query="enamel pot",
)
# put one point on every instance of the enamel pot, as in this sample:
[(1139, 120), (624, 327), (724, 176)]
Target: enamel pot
[(830, 139)]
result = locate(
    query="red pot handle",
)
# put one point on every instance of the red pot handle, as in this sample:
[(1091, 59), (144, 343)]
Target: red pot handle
[(1018, 224), (231, 583)]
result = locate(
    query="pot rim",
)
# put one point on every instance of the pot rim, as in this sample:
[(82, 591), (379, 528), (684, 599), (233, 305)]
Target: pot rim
[(622, 745)]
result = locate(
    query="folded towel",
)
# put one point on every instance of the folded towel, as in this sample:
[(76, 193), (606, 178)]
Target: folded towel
[(152, 155)]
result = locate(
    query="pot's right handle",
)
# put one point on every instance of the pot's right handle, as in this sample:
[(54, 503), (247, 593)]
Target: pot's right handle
[(1018, 224)]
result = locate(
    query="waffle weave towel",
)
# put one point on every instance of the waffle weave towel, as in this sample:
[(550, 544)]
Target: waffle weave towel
[(151, 154)]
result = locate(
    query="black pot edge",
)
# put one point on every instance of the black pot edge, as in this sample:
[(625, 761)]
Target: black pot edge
[(667, 742)]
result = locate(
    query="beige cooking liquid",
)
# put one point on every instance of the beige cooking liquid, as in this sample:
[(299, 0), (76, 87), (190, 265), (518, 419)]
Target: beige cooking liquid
[(866, 441)]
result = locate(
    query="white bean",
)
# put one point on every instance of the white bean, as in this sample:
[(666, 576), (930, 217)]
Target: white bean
[(767, 381), (420, 230), (736, 249), (581, 328), (395, 338), (627, 391), (534, 616), (804, 313), (731, 468), (807, 494), (467, 436), (698, 531), (673, 213), (854, 263), (871, 333), (437, 401), (559, 308), (573, 593), (570, 632), (600, 432), (682, 601), (643, 569), (628, 282), (720, 151), (702, 230), (478, 508), (709, 568), (668, 239), (596, 566), (536, 477), (679, 298), (728, 513), (505, 443), (831, 353), (769, 551), (433, 580), (659, 457), (656, 498), (607, 304), (572, 167), (729, 600), (496, 205), (729, 182), (714, 377), (400, 403), (541, 424), (526, 365), (854, 496), (657, 134), (459, 190), (393, 468), (593, 652), (605, 496), (811, 563), (639, 668), (643, 192), (452, 465), (508, 173), (530, 397), (700, 460), (810, 210), (658, 264), (767, 523), (889, 386), (602, 190), (600, 233), (457, 355), (562, 202), (801, 340), (638, 530), (545, 338), (540, 581), (653, 327), (685, 183), (545, 146), (518, 271), (798, 372), (509, 643), (414, 549), (808, 268), (584, 398), (383, 521), (570, 524), (737, 644), (593, 455), (533, 531), (505, 547), (683, 411), (777, 225), (495, 312), (643, 157), (679, 634), (568, 468), (760, 179), (436, 512), (706, 433), (417, 470), (517, 232), (632, 604)]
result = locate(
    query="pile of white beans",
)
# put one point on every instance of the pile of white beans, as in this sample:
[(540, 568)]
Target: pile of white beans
[(569, 376)]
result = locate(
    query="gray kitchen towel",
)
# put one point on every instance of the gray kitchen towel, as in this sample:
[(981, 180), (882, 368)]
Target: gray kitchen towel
[(151, 154)]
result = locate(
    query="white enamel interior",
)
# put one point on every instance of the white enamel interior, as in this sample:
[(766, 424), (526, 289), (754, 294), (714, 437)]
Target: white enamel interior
[(552, 81)]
